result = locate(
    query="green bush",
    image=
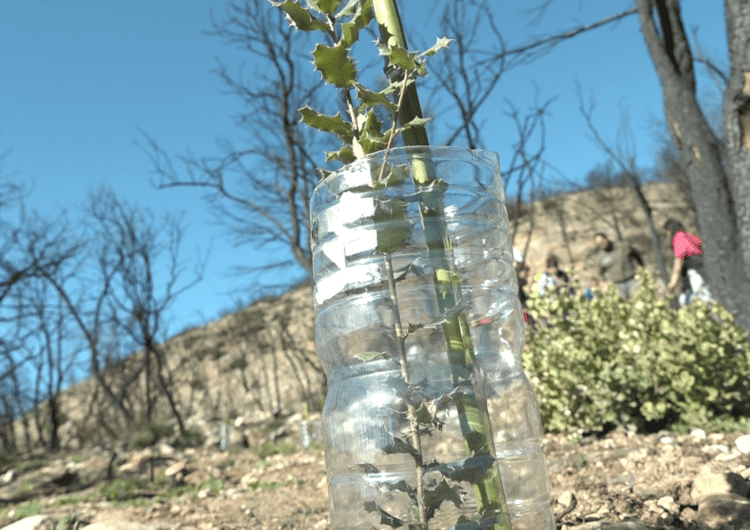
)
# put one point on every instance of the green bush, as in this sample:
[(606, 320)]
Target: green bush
[(151, 433), (270, 448), (121, 489), (609, 362)]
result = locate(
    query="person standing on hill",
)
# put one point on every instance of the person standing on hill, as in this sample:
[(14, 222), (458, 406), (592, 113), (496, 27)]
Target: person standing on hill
[(617, 262), (554, 278), (688, 263)]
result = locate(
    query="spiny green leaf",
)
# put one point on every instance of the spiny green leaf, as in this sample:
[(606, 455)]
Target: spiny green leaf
[(414, 327), (326, 7), (368, 468), (373, 99), (332, 124), (411, 267), (385, 517), (349, 9), (427, 414), (335, 64), (362, 17), (372, 143), (471, 469), (441, 43), (370, 355), (435, 496), (416, 122), (344, 155), (399, 57), (396, 230), (370, 136), (400, 445), (402, 485), (300, 17)]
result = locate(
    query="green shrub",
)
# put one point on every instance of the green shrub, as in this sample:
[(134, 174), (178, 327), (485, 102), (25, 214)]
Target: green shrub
[(29, 509), (270, 448), (610, 361), (120, 489), (152, 433)]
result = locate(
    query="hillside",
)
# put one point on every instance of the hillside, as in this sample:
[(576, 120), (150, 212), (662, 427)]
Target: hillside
[(260, 364)]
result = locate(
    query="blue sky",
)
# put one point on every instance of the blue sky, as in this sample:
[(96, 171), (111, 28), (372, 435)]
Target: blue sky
[(79, 79)]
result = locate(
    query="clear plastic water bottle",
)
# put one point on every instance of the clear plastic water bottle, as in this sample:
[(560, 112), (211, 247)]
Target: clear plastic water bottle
[(413, 434)]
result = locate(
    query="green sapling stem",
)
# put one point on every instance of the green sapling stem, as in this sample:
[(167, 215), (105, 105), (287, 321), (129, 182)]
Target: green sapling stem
[(477, 434)]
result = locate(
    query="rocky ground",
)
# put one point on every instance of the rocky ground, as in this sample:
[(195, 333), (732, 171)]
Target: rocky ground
[(621, 481)]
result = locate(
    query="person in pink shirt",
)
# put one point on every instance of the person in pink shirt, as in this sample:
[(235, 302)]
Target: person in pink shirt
[(688, 263)]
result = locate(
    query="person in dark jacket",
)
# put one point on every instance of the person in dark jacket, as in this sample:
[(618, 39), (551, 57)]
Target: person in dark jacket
[(617, 262)]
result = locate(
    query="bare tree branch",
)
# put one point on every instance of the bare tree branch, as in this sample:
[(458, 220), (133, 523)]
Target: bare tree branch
[(625, 160), (261, 190)]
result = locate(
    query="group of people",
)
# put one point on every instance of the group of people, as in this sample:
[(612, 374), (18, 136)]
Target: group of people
[(617, 262)]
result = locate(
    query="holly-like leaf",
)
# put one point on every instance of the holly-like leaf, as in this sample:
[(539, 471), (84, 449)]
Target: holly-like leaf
[(348, 10), (370, 136), (395, 231), (344, 155), (416, 122), (400, 445), (471, 469), (363, 15), (368, 468), (453, 312), (332, 124), (398, 56), (385, 517), (373, 99), (427, 414), (300, 17), (326, 7), (335, 64), (371, 355), (402, 485), (436, 494), (441, 43), (414, 327)]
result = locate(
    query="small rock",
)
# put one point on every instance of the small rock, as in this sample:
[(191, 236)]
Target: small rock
[(323, 483), (166, 450), (716, 511), (135, 462), (647, 491), (669, 504), (717, 483), (565, 498), (36, 522), (8, 477), (205, 492), (688, 515), (698, 433), (214, 471), (743, 444), (175, 468)]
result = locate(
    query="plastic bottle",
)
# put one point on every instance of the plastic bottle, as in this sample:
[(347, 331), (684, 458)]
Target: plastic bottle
[(361, 296)]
